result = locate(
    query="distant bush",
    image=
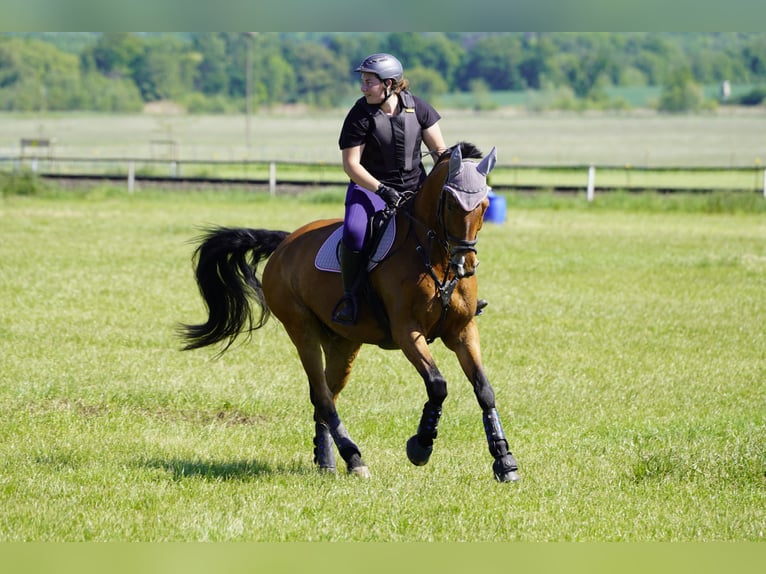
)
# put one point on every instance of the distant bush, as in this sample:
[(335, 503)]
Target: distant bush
[(681, 93), (481, 96), (90, 92), (197, 103), (754, 97), (560, 99), (109, 95), (21, 183)]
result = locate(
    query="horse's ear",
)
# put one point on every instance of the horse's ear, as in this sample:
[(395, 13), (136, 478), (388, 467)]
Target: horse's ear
[(455, 162), (486, 165)]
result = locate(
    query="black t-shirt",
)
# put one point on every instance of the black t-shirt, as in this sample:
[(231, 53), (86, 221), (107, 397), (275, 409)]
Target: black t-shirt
[(358, 129)]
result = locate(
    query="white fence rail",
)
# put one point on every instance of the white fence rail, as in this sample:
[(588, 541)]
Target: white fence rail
[(272, 174)]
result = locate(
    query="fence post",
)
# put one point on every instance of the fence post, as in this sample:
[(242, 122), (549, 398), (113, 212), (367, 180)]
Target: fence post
[(591, 182), (131, 176), (272, 178)]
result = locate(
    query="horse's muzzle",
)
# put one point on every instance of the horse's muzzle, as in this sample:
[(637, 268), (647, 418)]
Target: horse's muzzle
[(464, 266)]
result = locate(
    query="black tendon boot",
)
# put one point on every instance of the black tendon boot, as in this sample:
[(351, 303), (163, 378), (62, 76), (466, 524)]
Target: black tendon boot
[(351, 263)]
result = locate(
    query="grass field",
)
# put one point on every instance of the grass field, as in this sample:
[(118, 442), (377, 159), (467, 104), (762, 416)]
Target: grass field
[(727, 138), (625, 342), (637, 150)]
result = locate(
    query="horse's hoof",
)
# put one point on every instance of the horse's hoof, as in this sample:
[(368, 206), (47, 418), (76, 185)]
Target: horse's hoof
[(417, 453), (360, 471), (511, 476), (505, 472), (327, 469)]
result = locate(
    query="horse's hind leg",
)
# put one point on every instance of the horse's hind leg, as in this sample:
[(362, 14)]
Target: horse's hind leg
[(305, 332), (324, 448), (339, 357)]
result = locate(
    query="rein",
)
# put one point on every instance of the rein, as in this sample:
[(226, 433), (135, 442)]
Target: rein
[(445, 288)]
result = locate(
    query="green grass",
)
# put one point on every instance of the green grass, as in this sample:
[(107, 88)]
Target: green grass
[(713, 202), (631, 179), (624, 340)]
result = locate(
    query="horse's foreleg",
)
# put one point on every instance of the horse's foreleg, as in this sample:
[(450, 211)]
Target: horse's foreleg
[(505, 466), (420, 446), (466, 348)]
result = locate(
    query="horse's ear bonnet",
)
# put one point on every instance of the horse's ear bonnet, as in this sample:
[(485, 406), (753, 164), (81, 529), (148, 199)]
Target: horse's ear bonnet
[(467, 182)]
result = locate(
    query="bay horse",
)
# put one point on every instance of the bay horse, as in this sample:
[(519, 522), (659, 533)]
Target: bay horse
[(424, 289)]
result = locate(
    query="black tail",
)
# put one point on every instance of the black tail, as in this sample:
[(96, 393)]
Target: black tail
[(226, 278)]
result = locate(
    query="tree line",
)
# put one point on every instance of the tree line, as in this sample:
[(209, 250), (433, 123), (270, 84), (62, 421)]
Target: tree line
[(215, 72)]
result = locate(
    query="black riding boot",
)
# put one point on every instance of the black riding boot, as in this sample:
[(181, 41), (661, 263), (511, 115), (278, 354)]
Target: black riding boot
[(351, 263)]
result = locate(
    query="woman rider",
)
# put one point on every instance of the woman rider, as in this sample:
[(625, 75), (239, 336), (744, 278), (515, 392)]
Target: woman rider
[(380, 143)]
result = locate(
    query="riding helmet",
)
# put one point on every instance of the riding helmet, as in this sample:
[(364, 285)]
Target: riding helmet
[(385, 66)]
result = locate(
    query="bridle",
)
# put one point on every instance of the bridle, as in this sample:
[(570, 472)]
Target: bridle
[(455, 247), (468, 189)]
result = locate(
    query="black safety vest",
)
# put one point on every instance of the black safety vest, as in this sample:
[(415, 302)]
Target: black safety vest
[(400, 133)]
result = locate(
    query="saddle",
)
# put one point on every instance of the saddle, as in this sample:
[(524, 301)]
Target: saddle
[(381, 238)]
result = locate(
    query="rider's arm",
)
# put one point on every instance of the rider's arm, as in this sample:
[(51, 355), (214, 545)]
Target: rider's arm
[(352, 165), (434, 140)]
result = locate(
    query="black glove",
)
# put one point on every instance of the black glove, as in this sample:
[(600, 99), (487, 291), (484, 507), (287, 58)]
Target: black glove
[(389, 195)]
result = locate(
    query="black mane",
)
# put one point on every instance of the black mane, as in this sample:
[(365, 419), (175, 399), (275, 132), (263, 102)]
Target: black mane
[(467, 149)]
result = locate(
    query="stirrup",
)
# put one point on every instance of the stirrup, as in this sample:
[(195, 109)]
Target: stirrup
[(480, 305), (345, 311)]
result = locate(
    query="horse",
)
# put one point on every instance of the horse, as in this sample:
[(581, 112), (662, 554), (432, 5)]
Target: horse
[(424, 289)]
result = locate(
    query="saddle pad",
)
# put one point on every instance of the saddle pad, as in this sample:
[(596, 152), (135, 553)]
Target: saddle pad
[(327, 256)]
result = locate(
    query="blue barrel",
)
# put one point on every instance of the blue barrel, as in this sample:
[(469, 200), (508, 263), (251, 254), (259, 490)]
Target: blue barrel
[(496, 211)]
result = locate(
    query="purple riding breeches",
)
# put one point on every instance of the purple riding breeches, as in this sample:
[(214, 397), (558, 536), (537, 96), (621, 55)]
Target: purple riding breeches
[(361, 204)]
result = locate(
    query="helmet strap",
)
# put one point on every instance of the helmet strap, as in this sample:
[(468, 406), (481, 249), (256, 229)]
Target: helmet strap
[(387, 94)]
